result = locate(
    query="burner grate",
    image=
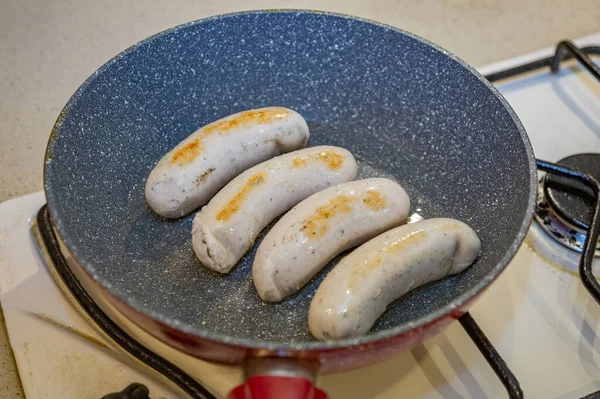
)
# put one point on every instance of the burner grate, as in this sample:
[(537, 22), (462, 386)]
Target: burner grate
[(109, 327), (571, 199), (565, 50), (589, 246)]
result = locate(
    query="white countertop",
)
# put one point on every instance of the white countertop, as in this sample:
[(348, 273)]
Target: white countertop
[(47, 48)]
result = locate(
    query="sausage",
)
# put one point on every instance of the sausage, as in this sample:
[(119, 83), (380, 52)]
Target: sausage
[(227, 227), (190, 174), (306, 238), (359, 288)]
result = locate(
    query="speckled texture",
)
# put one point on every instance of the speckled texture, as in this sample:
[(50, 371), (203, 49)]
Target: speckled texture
[(401, 106), (10, 386), (48, 47)]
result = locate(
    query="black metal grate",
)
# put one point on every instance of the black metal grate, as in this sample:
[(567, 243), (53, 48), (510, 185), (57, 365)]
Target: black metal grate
[(564, 50), (108, 326)]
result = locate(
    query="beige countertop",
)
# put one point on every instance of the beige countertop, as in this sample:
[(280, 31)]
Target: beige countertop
[(48, 48)]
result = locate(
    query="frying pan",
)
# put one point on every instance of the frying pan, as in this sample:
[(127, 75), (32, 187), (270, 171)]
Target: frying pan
[(404, 107)]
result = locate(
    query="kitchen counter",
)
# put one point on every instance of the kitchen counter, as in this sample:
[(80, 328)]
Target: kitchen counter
[(47, 48)]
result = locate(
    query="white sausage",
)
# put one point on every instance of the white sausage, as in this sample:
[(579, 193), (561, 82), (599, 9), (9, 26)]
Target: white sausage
[(359, 288), (306, 238), (191, 173), (227, 227)]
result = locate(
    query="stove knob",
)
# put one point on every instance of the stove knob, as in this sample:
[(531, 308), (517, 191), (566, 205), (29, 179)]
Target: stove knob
[(133, 391)]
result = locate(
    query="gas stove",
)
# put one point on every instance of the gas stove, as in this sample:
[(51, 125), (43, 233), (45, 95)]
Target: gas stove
[(533, 331)]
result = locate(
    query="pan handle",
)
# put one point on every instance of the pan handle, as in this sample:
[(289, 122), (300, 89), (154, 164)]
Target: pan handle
[(276, 387), (275, 378)]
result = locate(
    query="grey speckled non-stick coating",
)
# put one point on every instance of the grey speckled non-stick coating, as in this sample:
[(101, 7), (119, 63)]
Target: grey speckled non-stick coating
[(403, 107)]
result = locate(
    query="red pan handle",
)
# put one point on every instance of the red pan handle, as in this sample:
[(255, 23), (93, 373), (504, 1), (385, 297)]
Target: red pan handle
[(277, 387), (279, 378)]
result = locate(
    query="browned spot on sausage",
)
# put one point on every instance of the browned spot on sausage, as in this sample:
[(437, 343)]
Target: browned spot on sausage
[(202, 178), (236, 202), (448, 226), (333, 160), (256, 116), (296, 162), (410, 239), (318, 224), (360, 271), (190, 151), (374, 200)]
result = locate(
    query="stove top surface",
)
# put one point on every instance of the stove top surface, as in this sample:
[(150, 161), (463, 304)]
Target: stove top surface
[(537, 314)]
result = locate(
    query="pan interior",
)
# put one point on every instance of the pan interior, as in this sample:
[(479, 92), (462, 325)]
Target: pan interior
[(405, 109)]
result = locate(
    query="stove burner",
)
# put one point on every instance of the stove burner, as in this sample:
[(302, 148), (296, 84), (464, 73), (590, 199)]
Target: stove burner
[(572, 200), (564, 207)]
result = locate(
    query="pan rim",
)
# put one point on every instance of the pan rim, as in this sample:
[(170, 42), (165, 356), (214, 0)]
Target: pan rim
[(456, 304)]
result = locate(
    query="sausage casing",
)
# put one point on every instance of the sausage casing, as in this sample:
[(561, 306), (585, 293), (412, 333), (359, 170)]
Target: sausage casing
[(228, 225), (357, 291), (325, 224), (190, 174)]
